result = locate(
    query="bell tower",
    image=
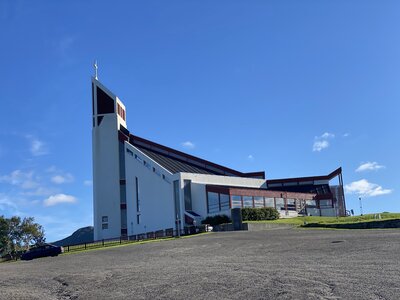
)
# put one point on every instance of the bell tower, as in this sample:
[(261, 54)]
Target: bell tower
[(108, 115)]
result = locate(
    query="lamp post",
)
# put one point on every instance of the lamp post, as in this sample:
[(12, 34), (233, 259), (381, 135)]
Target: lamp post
[(361, 210)]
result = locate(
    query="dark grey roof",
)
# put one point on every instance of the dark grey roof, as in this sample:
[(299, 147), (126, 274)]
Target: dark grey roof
[(172, 164)]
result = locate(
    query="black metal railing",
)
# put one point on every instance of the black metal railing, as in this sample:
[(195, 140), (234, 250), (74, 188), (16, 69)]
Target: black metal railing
[(135, 238)]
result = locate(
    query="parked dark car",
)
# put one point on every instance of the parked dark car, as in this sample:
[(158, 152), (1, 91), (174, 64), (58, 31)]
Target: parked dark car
[(42, 251)]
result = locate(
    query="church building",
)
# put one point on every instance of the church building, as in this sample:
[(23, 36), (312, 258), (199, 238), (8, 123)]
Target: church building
[(141, 186)]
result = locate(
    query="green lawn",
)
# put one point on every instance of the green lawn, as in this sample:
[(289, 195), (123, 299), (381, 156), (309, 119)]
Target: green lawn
[(331, 220)]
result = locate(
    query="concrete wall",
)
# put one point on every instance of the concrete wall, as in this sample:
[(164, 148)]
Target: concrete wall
[(199, 182), (156, 195), (328, 212), (379, 224), (106, 194)]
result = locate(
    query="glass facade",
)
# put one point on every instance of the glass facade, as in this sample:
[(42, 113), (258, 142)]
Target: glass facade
[(224, 201), (311, 203), (213, 202), (291, 204), (269, 202), (218, 202), (236, 201), (247, 201), (258, 201), (325, 203), (280, 204)]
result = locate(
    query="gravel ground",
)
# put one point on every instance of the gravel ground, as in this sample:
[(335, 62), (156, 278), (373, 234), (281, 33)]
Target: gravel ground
[(273, 264)]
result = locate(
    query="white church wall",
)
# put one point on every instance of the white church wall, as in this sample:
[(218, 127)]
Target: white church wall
[(106, 179), (156, 195)]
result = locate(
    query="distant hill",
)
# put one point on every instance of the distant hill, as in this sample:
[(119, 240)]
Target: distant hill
[(81, 236)]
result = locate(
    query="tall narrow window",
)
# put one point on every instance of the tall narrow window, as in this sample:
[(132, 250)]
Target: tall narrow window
[(177, 202), (188, 194), (137, 194)]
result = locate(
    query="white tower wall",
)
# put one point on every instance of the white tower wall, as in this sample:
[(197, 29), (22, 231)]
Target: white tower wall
[(106, 171)]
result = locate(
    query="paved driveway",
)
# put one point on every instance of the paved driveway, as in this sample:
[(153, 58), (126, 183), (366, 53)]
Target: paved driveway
[(274, 264)]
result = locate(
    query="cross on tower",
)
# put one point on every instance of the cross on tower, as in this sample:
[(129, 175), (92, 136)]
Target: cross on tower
[(95, 69)]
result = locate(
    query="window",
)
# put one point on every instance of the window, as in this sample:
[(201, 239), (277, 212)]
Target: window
[(123, 218), (138, 219), (138, 158), (166, 179), (213, 202), (121, 111), (325, 203), (137, 194), (291, 204), (247, 201), (105, 104), (148, 166), (258, 201), (217, 202), (129, 152), (236, 201), (224, 201), (104, 221), (311, 203), (156, 171), (177, 202), (280, 204), (187, 192), (269, 202)]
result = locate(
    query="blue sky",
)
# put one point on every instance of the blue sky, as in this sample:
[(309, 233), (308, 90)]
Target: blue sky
[(295, 88)]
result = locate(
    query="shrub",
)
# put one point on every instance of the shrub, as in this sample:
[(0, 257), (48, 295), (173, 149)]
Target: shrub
[(216, 220), (257, 214)]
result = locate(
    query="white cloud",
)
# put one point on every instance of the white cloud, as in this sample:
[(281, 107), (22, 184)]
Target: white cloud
[(188, 145), (346, 134), (327, 135), (366, 189), (88, 182), (321, 142), (369, 166), (320, 145), (58, 199), (37, 147), (250, 157), (24, 180), (59, 179)]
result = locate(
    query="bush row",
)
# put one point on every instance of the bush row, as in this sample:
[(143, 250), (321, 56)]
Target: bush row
[(257, 214), (216, 220)]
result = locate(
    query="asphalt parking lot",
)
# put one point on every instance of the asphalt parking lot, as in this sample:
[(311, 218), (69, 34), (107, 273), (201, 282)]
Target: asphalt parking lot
[(273, 264)]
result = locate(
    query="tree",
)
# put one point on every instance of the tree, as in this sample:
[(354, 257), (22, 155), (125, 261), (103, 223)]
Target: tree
[(31, 232), (4, 241), (17, 236)]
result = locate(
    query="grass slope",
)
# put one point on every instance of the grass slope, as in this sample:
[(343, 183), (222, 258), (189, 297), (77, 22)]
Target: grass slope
[(332, 220)]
